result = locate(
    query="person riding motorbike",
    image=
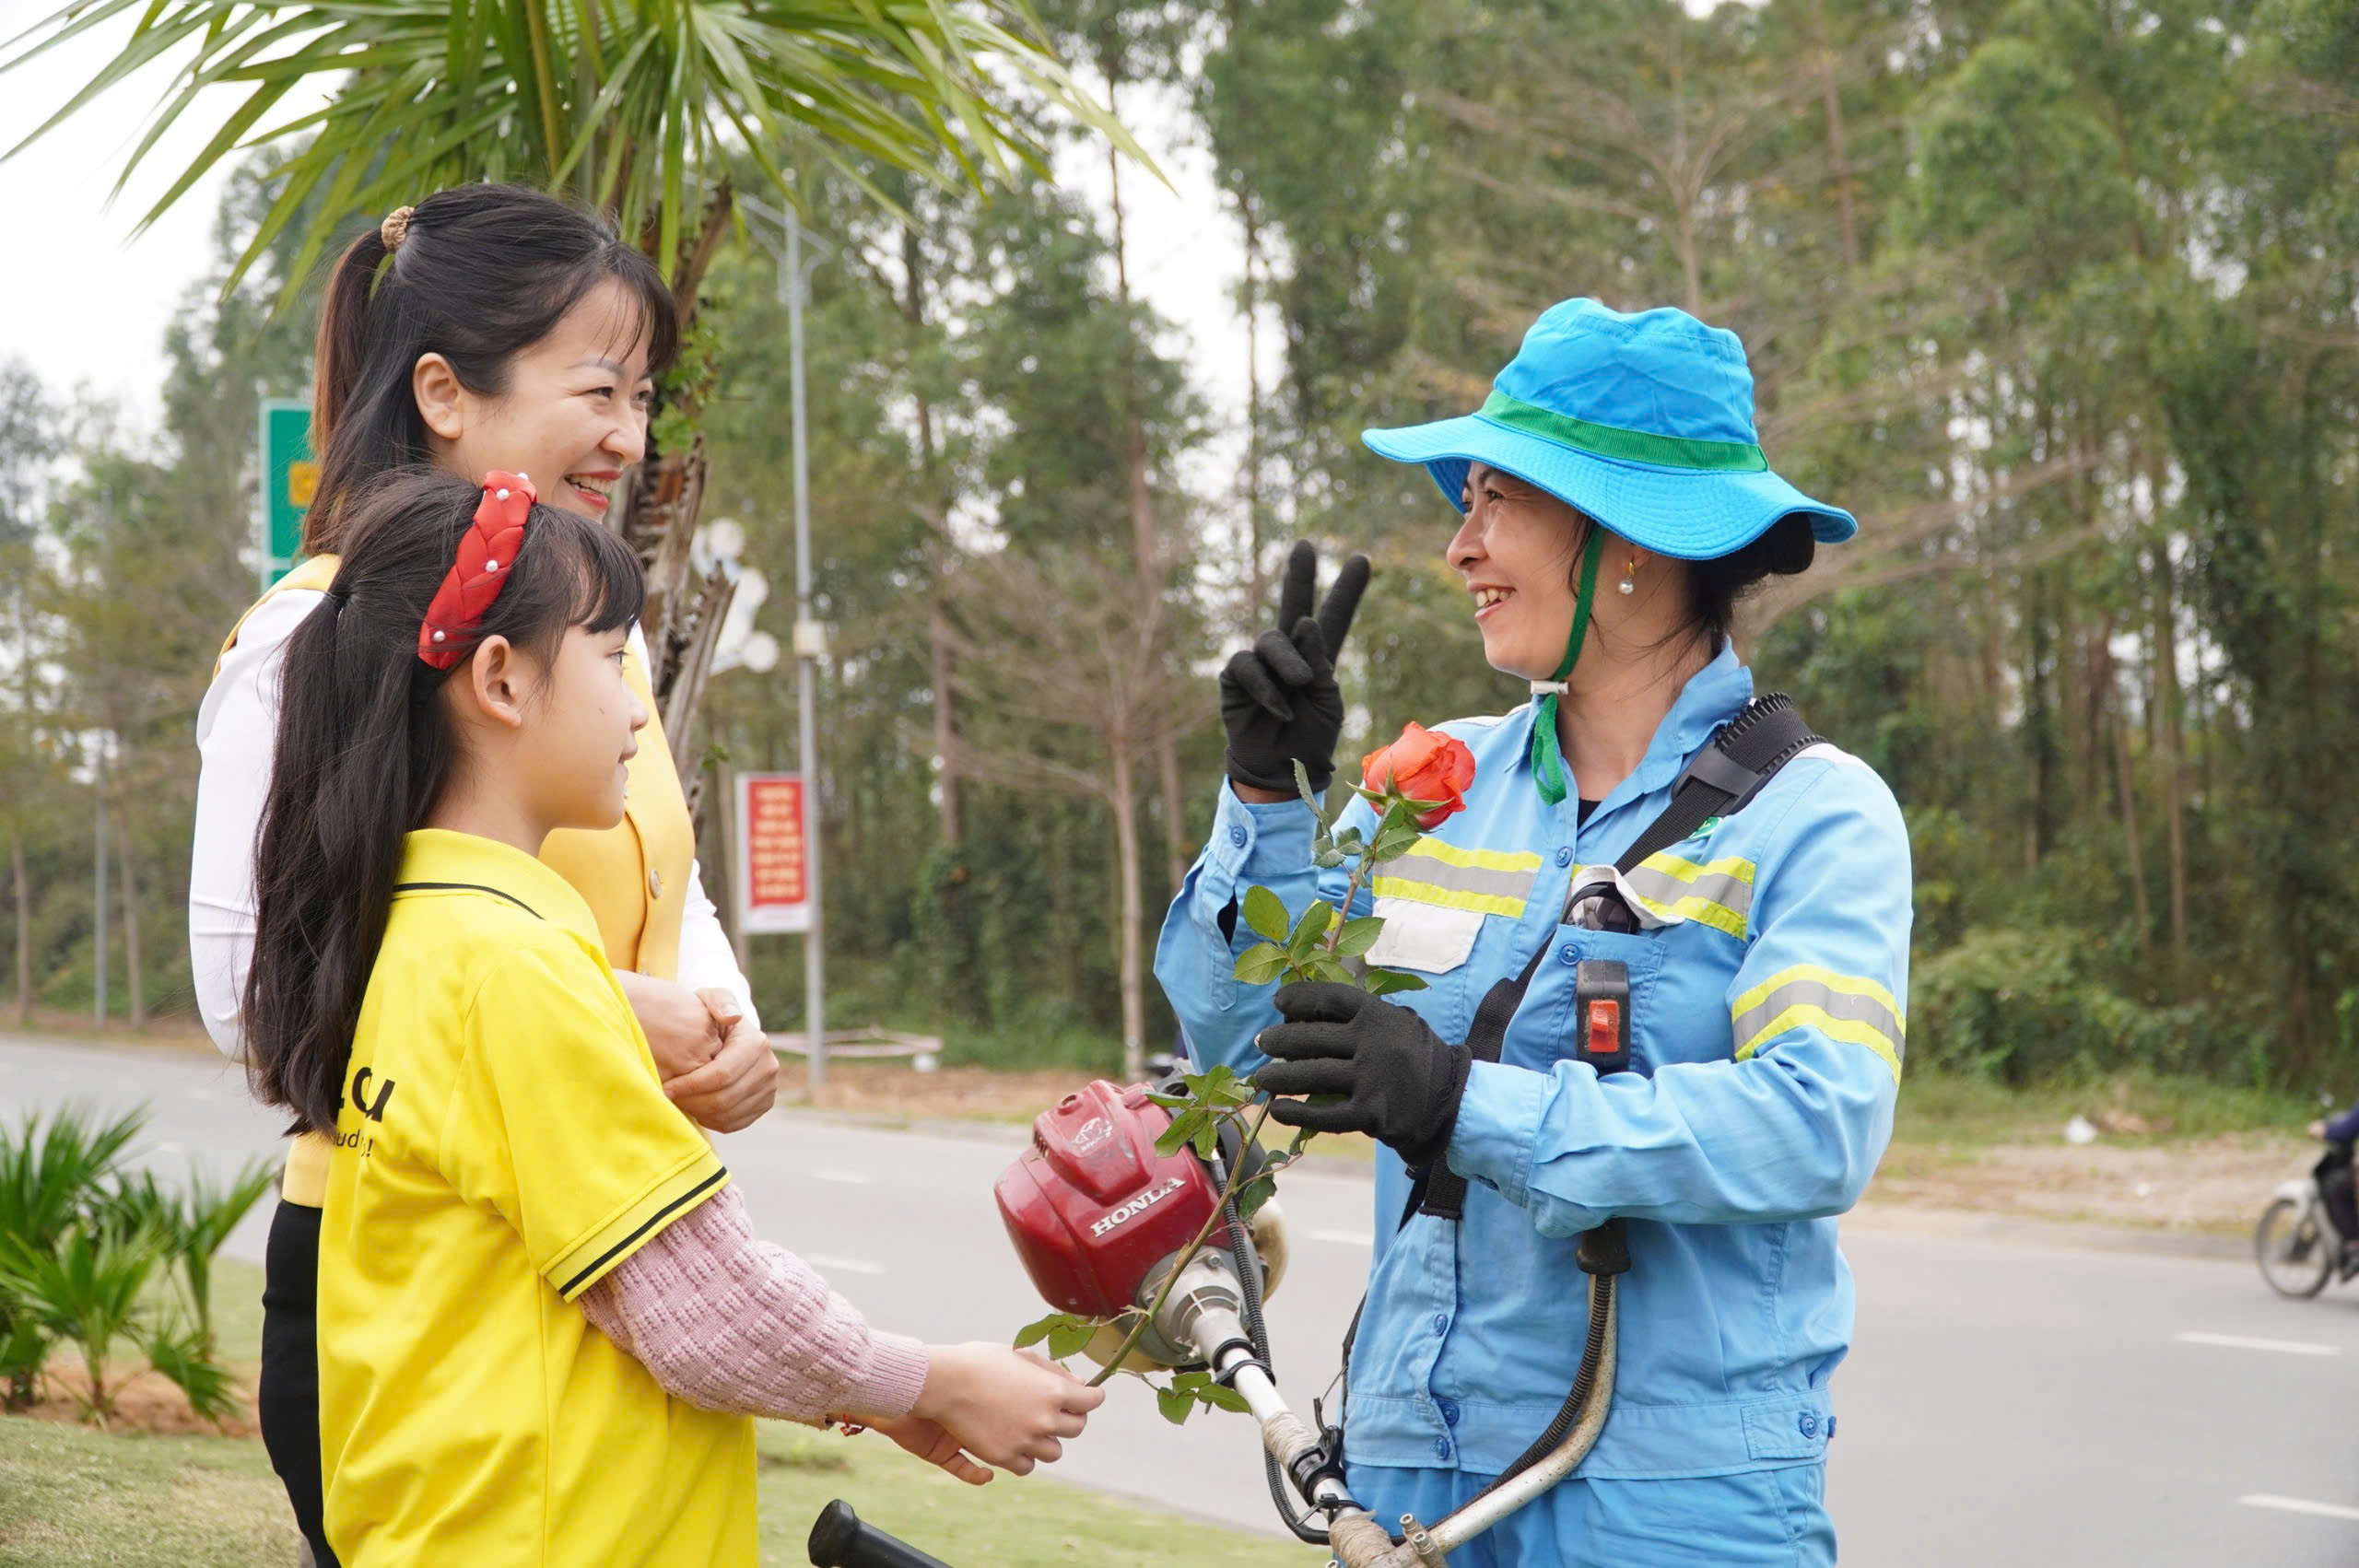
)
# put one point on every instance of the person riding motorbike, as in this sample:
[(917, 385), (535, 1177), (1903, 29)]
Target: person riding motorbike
[(2336, 1185)]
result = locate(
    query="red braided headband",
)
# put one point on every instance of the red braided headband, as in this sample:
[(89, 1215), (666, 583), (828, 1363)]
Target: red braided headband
[(486, 550)]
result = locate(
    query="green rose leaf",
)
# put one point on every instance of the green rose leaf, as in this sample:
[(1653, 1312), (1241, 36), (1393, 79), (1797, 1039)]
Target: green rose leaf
[(1224, 1398), (1328, 859), (1254, 1193), (1067, 1338), (1207, 1138), (1260, 963), (1351, 841), (1384, 982), (1358, 936), (1211, 1083), (1182, 1128), (1395, 841), (1309, 795), (1309, 928), (1327, 966), (1177, 1405), (1058, 1327), (1265, 914)]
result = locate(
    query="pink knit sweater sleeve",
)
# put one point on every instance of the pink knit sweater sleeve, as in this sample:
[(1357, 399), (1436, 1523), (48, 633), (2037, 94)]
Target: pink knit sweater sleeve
[(729, 1322)]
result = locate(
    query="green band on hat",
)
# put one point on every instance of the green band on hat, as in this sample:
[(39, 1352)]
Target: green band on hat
[(1631, 446)]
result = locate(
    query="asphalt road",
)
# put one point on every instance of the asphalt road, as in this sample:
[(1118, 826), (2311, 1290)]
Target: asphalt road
[(2018, 1394)]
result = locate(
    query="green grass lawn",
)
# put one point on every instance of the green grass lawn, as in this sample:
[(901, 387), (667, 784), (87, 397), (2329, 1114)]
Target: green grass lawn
[(70, 1496)]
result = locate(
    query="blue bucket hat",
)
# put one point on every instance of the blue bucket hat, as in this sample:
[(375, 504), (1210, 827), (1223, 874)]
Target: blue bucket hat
[(1643, 421)]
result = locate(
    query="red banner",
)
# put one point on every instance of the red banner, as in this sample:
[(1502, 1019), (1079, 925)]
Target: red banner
[(774, 888)]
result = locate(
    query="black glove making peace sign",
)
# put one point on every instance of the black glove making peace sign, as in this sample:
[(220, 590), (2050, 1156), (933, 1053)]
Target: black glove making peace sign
[(1278, 699)]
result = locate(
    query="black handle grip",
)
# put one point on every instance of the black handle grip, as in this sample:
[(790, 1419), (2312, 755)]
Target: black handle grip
[(840, 1540)]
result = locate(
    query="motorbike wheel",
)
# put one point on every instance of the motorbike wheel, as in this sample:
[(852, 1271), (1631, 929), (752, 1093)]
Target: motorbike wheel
[(2292, 1249)]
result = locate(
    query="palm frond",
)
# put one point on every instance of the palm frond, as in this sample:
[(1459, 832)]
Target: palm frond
[(635, 105)]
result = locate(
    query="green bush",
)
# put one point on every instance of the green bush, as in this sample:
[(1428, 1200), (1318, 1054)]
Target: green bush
[(2016, 1004), (85, 1247)]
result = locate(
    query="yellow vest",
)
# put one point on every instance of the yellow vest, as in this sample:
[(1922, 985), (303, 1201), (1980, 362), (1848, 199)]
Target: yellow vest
[(634, 875)]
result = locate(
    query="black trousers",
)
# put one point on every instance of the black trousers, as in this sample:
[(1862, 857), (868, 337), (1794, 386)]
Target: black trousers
[(2335, 1187), (289, 1395)]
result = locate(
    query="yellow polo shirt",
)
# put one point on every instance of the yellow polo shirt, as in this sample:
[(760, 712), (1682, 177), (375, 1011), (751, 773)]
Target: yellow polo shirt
[(503, 1143)]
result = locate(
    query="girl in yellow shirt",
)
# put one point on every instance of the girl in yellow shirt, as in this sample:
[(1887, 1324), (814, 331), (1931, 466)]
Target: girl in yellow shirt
[(543, 1317)]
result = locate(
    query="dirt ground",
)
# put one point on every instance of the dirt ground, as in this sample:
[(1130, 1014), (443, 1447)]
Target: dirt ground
[(2216, 1184), (146, 1402)]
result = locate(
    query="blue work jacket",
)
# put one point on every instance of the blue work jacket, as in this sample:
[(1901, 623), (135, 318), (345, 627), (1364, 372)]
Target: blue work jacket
[(1768, 994)]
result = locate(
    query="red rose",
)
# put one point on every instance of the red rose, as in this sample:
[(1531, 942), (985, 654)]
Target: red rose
[(1422, 766)]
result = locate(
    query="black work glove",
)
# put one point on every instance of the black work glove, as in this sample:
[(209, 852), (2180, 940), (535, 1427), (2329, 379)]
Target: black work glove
[(1278, 699), (1399, 1081)]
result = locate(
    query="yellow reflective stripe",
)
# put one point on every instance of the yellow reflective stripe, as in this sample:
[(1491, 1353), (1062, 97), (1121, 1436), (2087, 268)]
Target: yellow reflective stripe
[(1852, 984), (1850, 1030), (1843, 1007), (1718, 895), (1478, 860), (1493, 882), (1446, 898), (1688, 870)]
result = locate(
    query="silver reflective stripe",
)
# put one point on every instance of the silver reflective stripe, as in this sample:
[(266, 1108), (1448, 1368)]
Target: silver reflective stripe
[(1844, 1006), (1434, 873), (1732, 893)]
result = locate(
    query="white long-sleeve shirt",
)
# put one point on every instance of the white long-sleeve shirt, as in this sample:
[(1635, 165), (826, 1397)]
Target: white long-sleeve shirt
[(237, 729)]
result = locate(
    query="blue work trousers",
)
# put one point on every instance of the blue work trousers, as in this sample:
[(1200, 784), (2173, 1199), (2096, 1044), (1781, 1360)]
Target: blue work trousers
[(1752, 1519)]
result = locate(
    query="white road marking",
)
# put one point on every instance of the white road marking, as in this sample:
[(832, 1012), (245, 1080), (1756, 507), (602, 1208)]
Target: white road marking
[(2299, 1505), (850, 1179), (820, 1261), (1342, 1238), (2244, 1342)]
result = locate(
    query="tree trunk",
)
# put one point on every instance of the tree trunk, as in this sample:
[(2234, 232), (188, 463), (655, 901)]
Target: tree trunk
[(2124, 775), (131, 929), (2168, 740), (658, 517), (1841, 159), (1143, 542), (24, 931), (938, 554), (1126, 850)]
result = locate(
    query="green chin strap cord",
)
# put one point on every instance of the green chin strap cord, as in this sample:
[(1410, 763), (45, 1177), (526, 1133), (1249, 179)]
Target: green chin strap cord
[(1547, 762)]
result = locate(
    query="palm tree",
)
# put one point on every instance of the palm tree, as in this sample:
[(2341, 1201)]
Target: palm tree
[(639, 107)]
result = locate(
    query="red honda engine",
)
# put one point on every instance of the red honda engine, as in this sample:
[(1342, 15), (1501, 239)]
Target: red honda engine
[(1092, 1209)]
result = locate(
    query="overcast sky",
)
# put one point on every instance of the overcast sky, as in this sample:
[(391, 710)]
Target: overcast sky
[(85, 304)]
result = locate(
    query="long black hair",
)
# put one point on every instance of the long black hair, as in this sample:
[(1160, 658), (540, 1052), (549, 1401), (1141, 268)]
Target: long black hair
[(481, 273), (366, 746)]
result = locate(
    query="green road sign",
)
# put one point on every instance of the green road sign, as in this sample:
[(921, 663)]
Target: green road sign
[(289, 473)]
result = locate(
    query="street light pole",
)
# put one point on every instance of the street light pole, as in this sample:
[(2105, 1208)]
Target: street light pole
[(810, 637)]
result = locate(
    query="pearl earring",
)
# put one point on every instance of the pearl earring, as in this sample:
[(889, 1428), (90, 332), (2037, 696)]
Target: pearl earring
[(1630, 578)]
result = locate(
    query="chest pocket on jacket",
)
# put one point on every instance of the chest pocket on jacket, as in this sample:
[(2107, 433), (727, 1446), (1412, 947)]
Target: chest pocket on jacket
[(1546, 1028), (1434, 897)]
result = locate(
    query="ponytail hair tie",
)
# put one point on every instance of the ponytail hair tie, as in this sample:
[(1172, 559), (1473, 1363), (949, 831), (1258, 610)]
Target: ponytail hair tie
[(395, 228), (486, 552)]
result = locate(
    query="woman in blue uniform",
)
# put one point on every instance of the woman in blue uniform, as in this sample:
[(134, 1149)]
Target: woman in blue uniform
[(1615, 504)]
